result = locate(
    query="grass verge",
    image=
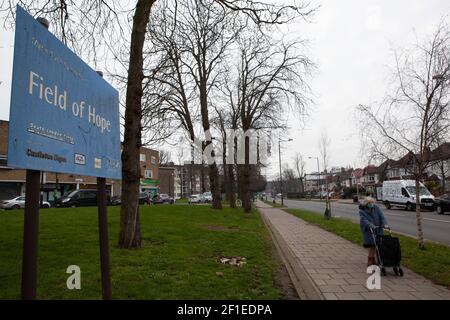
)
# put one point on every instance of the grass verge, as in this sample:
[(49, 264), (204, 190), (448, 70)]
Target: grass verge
[(181, 247), (432, 263)]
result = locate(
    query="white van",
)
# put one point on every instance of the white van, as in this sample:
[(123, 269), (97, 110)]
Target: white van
[(402, 193)]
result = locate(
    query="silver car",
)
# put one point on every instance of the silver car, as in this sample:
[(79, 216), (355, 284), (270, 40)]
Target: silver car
[(196, 198), (207, 197), (18, 203)]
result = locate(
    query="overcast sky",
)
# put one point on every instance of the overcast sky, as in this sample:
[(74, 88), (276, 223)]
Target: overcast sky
[(352, 42)]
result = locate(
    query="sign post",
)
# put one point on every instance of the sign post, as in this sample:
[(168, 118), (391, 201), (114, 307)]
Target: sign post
[(64, 118), (30, 235), (103, 237)]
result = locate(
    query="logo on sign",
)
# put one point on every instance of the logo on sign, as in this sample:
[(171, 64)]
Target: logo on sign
[(98, 163), (114, 164), (80, 159)]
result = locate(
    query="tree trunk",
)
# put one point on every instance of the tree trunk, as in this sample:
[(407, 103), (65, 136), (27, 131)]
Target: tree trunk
[(238, 172), (130, 233), (239, 180), (215, 188), (225, 169), (213, 171), (202, 177), (442, 168), (246, 197), (231, 187), (302, 189), (419, 216)]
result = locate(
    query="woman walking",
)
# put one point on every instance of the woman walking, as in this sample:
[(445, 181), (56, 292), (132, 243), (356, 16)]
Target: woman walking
[(371, 220)]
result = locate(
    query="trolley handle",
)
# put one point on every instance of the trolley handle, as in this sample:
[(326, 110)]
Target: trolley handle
[(377, 227)]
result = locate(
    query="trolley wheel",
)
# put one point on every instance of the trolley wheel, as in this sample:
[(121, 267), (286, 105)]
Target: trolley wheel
[(400, 271), (396, 271), (383, 271)]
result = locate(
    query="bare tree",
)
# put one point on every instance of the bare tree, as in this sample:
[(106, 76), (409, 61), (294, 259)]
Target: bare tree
[(324, 149), (414, 116), (270, 81), (165, 157), (299, 164)]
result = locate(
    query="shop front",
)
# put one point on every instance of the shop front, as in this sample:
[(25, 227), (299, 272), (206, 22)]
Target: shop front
[(149, 186)]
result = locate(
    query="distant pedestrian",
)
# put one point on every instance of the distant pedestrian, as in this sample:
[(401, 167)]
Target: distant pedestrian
[(371, 218)]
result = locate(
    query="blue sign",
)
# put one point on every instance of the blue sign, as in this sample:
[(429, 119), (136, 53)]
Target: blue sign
[(64, 117)]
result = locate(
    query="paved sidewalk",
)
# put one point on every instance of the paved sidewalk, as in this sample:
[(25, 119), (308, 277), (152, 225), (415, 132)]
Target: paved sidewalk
[(332, 268)]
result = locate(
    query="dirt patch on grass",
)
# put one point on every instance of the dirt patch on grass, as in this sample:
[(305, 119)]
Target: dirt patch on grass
[(222, 228)]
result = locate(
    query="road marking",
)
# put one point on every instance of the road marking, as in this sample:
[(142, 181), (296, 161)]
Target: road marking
[(436, 220)]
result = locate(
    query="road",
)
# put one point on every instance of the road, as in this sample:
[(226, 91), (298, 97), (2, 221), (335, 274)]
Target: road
[(435, 227)]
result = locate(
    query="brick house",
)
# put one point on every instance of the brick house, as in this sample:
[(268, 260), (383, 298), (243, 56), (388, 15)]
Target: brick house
[(371, 177), (167, 180), (149, 163)]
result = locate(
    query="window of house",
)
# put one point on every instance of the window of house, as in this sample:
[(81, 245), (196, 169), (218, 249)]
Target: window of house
[(142, 157), (371, 178), (148, 174), (3, 161), (153, 160)]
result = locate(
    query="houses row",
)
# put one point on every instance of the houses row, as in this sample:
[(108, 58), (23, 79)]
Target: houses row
[(372, 176)]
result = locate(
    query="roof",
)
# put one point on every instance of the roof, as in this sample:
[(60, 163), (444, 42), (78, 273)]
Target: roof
[(371, 169), (389, 163), (441, 153), (357, 173)]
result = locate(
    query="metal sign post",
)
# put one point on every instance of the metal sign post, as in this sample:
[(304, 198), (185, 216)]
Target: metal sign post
[(30, 235), (103, 237)]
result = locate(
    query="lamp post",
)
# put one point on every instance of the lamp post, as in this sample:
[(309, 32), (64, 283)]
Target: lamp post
[(318, 170), (281, 175)]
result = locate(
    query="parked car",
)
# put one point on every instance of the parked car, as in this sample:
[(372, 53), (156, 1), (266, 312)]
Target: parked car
[(81, 198), (442, 204), (19, 203), (321, 194), (162, 198), (207, 197), (195, 198), (144, 198), (402, 193), (116, 201), (346, 195)]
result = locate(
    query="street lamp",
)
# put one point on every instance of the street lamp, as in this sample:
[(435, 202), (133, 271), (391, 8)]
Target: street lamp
[(279, 158), (318, 170)]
